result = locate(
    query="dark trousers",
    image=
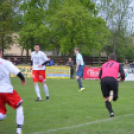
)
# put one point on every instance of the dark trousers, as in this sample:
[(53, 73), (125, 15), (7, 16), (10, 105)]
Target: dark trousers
[(72, 72)]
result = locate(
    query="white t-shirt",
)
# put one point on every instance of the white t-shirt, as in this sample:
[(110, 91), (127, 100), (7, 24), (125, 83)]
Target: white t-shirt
[(6, 67), (38, 59)]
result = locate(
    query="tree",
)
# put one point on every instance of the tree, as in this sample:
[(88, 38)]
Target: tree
[(73, 25), (116, 14), (5, 24)]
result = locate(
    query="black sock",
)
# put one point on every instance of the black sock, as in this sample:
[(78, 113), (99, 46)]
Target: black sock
[(109, 106), (80, 83), (19, 126)]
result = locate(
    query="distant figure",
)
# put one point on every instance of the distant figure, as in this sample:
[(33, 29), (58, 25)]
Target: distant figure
[(126, 62), (71, 64), (79, 68), (16, 62), (109, 85), (9, 59), (132, 65), (50, 62), (126, 65), (38, 62)]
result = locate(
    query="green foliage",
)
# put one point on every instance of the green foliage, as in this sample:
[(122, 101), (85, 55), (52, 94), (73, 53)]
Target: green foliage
[(7, 21), (34, 21), (74, 25)]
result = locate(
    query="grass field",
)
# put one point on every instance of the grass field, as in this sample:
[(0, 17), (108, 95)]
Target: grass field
[(70, 111)]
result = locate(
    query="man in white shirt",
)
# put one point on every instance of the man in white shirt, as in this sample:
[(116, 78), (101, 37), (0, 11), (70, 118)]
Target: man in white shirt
[(79, 68), (7, 94), (38, 62)]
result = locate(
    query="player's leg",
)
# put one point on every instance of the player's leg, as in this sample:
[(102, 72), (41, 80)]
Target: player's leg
[(14, 100), (105, 91), (2, 107), (46, 90), (115, 90), (35, 75), (42, 79), (37, 90), (19, 119), (79, 74)]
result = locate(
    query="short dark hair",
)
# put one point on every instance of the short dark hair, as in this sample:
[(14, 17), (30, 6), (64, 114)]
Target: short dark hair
[(76, 48), (36, 44), (112, 56)]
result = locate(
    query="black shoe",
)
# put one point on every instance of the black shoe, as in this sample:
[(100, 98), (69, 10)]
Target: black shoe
[(111, 114), (47, 98), (39, 99)]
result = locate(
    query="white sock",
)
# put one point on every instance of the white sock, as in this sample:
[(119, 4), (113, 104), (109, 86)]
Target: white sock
[(37, 90), (46, 90), (19, 119), (2, 116)]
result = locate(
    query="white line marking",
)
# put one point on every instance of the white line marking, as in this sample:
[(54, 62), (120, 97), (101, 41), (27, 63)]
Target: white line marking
[(80, 125)]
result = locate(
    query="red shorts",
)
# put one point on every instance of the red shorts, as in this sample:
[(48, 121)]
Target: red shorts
[(12, 99), (39, 76)]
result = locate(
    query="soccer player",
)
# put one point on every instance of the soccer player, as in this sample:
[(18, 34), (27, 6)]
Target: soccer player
[(79, 68), (7, 94), (109, 85), (38, 62)]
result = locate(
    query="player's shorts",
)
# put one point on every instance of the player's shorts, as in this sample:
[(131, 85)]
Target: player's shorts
[(38, 76), (80, 71), (108, 84), (12, 99)]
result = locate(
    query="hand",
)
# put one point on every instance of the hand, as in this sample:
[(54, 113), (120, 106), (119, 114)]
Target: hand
[(40, 66), (23, 82), (30, 67), (76, 69)]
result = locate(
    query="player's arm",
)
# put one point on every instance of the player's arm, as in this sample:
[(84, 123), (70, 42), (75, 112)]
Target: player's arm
[(22, 78), (13, 69), (122, 73), (46, 60), (31, 64), (100, 74)]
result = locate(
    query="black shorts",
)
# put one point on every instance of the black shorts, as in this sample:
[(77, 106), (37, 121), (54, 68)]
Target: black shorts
[(108, 84)]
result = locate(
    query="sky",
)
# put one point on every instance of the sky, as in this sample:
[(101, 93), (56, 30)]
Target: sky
[(131, 22)]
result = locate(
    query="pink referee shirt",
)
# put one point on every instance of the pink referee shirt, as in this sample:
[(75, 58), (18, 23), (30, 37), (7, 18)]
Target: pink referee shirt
[(110, 69)]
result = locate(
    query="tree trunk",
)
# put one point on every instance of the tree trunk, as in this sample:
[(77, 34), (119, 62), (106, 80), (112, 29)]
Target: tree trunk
[(99, 57), (114, 45), (27, 56), (21, 58)]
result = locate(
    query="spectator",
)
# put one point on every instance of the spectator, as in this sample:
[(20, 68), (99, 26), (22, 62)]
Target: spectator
[(9, 59), (16, 62), (71, 64), (50, 62), (132, 64)]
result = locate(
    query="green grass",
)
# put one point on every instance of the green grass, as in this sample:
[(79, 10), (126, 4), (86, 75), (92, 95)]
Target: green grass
[(68, 107)]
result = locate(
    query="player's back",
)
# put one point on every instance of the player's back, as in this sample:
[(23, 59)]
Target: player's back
[(6, 67), (110, 69)]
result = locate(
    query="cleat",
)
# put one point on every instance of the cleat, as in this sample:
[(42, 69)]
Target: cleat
[(81, 89), (111, 96), (39, 99), (111, 114), (47, 98), (20, 133)]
